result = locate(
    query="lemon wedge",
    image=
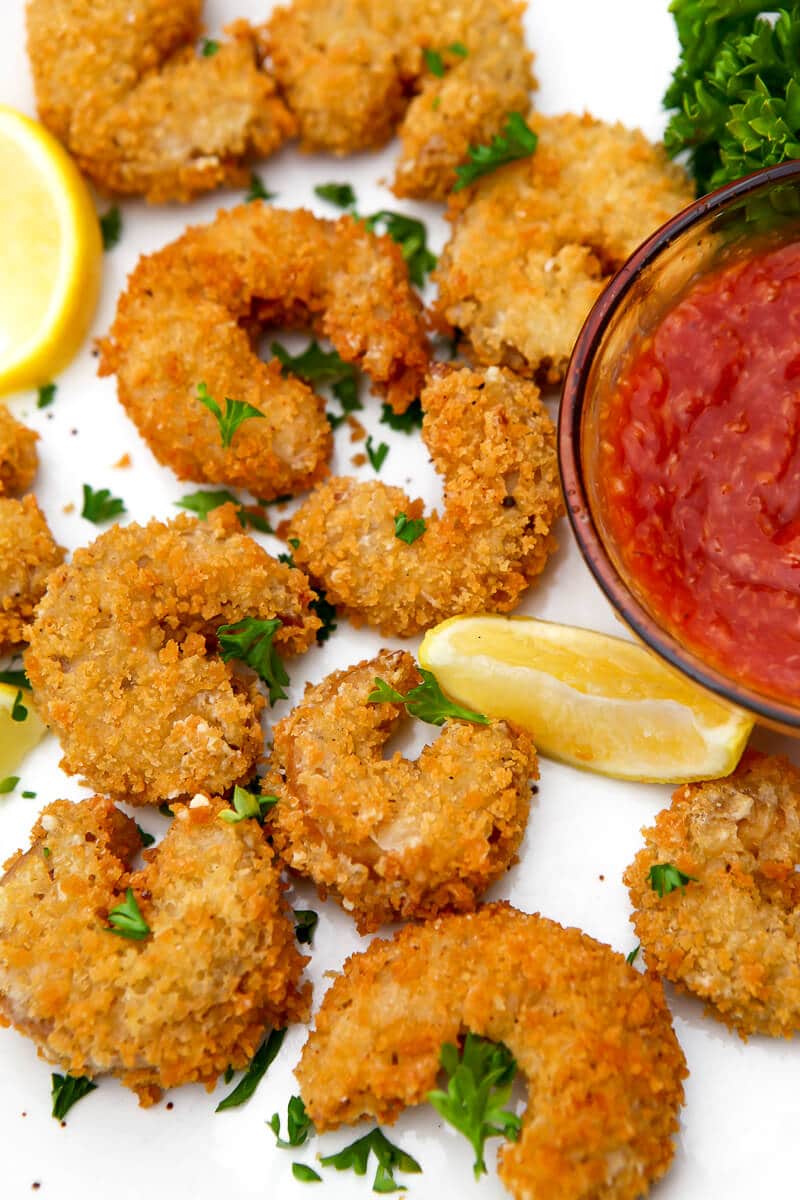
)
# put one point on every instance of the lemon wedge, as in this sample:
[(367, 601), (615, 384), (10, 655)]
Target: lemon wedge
[(21, 727), (50, 254), (590, 700)]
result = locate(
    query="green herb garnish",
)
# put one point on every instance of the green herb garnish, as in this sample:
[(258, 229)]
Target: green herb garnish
[(434, 60), (202, 503), (326, 613), (67, 1090), (18, 710), (100, 506), (8, 784), (146, 838), (127, 920), (30, 796), (340, 194), (247, 805), (236, 411), (376, 454), (426, 701), (408, 529), (258, 1068), (390, 1159), (305, 1174), (412, 238), (16, 678), (250, 641), (166, 811), (209, 47), (299, 1125), (516, 141), (630, 959), (405, 422), (257, 191), (47, 394), (317, 366), (665, 878), (305, 922), (111, 228)]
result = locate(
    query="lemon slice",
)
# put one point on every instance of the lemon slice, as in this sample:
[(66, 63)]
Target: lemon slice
[(17, 736), (590, 700), (50, 254)]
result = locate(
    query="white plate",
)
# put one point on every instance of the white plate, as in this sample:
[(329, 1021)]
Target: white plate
[(739, 1126)]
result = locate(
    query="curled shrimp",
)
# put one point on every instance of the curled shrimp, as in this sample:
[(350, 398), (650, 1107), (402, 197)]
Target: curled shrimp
[(592, 1036), (181, 322), (390, 838), (124, 86), (214, 965), (124, 660), (494, 444)]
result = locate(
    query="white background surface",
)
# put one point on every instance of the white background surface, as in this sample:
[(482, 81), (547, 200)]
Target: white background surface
[(739, 1126)]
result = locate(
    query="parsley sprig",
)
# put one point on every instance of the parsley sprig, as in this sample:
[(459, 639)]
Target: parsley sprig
[(259, 1065), (127, 920), (478, 1089), (67, 1090), (391, 1158), (516, 141), (100, 506), (405, 422), (247, 806), (299, 1125), (425, 701), (209, 47), (236, 411), (16, 677), (340, 194), (376, 454), (665, 878), (316, 367), (111, 227), (305, 923), (412, 238), (203, 502), (434, 59), (257, 191), (408, 529), (46, 395), (250, 641)]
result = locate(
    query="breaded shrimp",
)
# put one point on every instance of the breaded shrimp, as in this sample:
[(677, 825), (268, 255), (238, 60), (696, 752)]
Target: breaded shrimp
[(123, 655), (354, 70), (731, 934), (534, 243), (121, 83), (390, 838), (592, 1036), (218, 967), (28, 553), (18, 457), (182, 321), (493, 442)]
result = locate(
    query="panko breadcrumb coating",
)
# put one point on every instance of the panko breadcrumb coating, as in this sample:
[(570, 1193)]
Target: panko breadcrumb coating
[(389, 838), (18, 457), (494, 444), (219, 967), (534, 243), (730, 935), (28, 553), (190, 313), (125, 87), (593, 1037), (124, 663), (352, 71)]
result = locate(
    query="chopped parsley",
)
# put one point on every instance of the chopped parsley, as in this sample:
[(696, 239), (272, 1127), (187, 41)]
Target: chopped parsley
[(100, 506), (305, 1174), (665, 878), (299, 1126), (247, 805), (16, 678), (478, 1089), (376, 454), (209, 47), (67, 1090), (146, 838), (408, 529), (202, 503), (516, 141), (305, 923), (8, 784), (434, 60), (236, 411), (630, 959), (412, 238), (426, 701), (390, 1158), (317, 366), (340, 194), (259, 1065), (250, 641), (326, 613), (166, 811), (18, 710), (47, 394), (127, 920), (257, 191), (46, 851), (405, 422), (111, 227), (31, 796)]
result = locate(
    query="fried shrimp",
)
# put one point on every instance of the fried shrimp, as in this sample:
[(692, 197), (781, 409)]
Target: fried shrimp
[(182, 321), (494, 444), (395, 839), (122, 84), (592, 1036), (18, 457), (216, 966), (729, 934), (124, 663), (446, 75), (534, 243), (28, 553)]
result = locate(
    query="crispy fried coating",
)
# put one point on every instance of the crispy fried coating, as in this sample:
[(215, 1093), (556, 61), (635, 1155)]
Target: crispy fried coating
[(389, 838), (593, 1037), (28, 553), (534, 243), (122, 84), (181, 321), (494, 444), (353, 71), (731, 935), (219, 967), (18, 457), (124, 663)]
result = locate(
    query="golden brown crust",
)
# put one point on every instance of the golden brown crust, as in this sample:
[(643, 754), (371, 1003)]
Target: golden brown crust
[(121, 83), (390, 838), (493, 442), (123, 655), (28, 553), (354, 70), (593, 1037), (18, 457), (219, 967), (180, 322), (731, 937), (534, 243)]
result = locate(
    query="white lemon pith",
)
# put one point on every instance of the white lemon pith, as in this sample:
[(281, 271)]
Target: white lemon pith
[(17, 737), (590, 700)]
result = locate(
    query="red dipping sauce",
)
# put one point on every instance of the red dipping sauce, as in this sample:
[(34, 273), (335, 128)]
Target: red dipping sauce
[(699, 470)]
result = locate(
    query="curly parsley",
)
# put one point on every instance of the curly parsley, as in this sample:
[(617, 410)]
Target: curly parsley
[(236, 411), (426, 701), (250, 641), (100, 506)]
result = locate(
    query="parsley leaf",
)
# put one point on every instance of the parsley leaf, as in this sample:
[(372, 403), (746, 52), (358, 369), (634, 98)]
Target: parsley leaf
[(376, 455), (665, 878), (47, 394), (326, 613), (259, 1065), (202, 503), (100, 506), (127, 920), (298, 1124), (247, 805), (250, 641), (412, 238), (434, 62), (317, 366), (111, 228), (425, 701), (408, 529), (147, 838), (405, 422), (516, 141), (458, 48), (17, 678), (32, 796), (257, 191), (305, 925), (630, 959), (209, 47), (67, 1090), (8, 784), (166, 811), (236, 411), (478, 1088), (340, 194), (305, 1174), (18, 710), (390, 1159)]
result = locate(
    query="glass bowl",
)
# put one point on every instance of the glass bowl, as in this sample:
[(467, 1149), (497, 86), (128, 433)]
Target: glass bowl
[(758, 211)]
